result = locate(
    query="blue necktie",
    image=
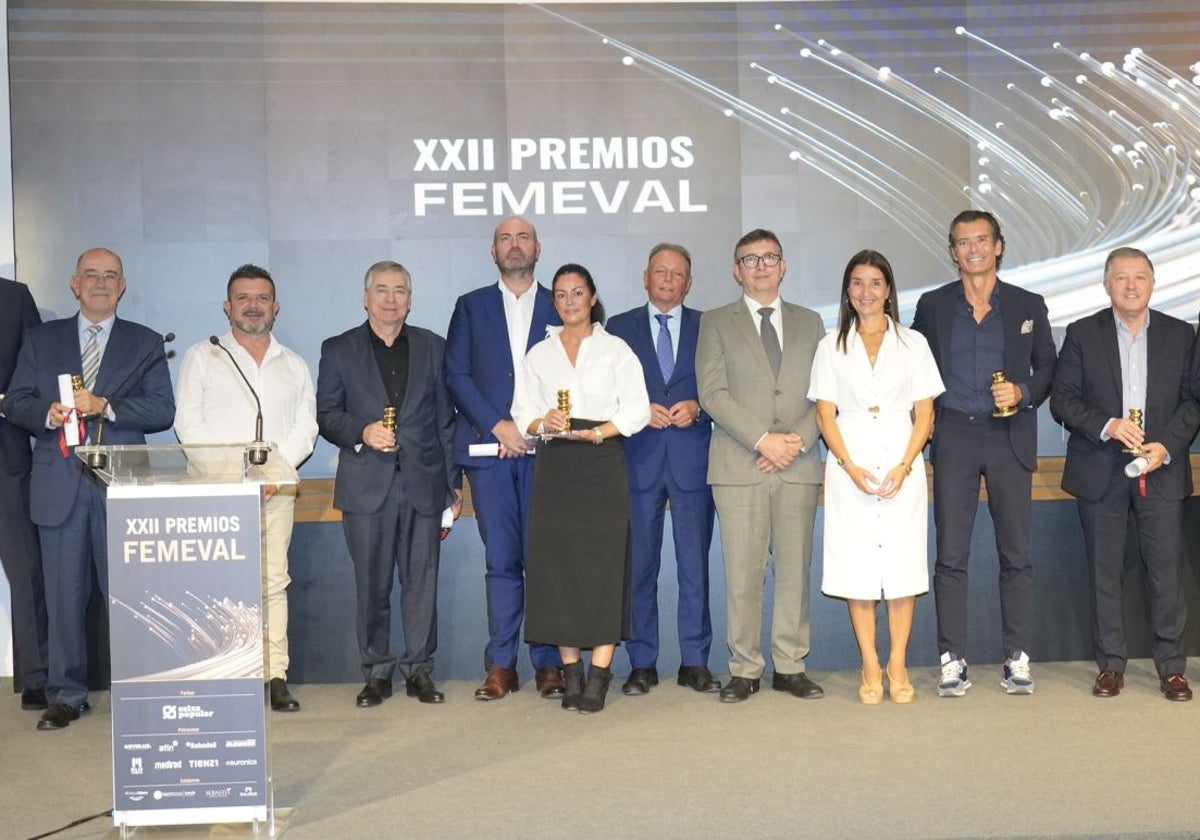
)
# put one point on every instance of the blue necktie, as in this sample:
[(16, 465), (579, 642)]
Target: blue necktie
[(666, 356)]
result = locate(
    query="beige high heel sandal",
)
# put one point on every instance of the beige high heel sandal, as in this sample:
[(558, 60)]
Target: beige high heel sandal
[(870, 694), (900, 690)]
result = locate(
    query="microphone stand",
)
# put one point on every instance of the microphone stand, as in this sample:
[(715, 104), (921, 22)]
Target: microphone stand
[(256, 452)]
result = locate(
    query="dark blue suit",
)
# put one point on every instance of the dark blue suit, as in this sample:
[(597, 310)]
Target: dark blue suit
[(391, 502), (669, 465), (67, 506), (18, 538), (480, 376)]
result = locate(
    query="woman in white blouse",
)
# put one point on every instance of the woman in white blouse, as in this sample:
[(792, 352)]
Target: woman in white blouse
[(874, 382), (578, 565)]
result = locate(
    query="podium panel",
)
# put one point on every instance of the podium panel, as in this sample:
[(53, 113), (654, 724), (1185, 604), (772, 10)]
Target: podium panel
[(189, 732), (186, 629)]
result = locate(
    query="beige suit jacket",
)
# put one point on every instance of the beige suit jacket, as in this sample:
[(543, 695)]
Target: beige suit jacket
[(745, 401)]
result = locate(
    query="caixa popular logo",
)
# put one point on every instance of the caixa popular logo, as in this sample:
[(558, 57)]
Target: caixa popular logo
[(170, 713)]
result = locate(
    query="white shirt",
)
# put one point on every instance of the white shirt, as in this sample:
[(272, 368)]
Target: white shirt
[(213, 405), (776, 315), (518, 315), (606, 382)]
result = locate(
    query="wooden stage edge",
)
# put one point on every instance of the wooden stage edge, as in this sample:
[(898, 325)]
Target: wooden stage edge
[(315, 500)]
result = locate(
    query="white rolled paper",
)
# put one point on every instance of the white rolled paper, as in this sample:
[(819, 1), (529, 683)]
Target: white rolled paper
[(1136, 467), (66, 396)]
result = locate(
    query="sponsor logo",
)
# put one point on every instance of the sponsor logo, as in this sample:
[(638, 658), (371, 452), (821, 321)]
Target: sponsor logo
[(135, 747), (241, 742), (135, 766)]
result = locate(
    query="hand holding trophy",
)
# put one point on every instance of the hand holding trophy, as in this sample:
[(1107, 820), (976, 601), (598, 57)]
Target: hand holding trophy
[(389, 422)]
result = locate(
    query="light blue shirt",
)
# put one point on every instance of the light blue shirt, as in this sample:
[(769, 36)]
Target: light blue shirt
[(672, 326)]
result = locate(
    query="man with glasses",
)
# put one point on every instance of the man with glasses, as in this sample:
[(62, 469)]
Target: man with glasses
[(127, 387), (753, 363)]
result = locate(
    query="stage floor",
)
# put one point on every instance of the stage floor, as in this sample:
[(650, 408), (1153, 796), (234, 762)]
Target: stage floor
[(678, 764)]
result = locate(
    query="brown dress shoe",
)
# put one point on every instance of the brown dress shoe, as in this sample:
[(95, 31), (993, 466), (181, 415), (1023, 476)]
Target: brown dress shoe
[(1108, 684), (1175, 687), (498, 683), (549, 682)]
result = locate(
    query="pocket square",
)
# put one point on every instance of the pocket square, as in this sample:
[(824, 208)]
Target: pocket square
[(1027, 327)]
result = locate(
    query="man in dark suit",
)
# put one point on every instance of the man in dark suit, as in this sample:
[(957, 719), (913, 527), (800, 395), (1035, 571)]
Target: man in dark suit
[(490, 332), (127, 389), (18, 537), (977, 325), (753, 362), (393, 480), (668, 462), (1126, 358)]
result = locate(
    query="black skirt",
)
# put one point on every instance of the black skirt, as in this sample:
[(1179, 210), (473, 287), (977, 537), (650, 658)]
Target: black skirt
[(578, 568)]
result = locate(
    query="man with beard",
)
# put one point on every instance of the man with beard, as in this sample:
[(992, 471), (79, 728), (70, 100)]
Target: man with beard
[(215, 406), (491, 330)]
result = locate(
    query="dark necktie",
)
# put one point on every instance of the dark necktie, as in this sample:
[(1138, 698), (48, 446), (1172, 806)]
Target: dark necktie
[(666, 356), (770, 340)]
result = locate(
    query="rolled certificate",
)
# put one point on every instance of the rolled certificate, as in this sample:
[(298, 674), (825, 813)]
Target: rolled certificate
[(492, 450), (1136, 467), (66, 396)]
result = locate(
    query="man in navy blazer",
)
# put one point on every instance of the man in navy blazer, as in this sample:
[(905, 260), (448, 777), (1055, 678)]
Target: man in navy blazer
[(977, 325), (1129, 356), (392, 483), (18, 537), (130, 396), (490, 332), (668, 462)]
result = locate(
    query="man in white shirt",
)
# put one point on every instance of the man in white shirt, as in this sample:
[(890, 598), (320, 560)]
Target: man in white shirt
[(215, 406)]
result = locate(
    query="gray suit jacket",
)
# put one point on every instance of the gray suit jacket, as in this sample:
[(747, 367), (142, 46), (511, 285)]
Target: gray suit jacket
[(745, 401)]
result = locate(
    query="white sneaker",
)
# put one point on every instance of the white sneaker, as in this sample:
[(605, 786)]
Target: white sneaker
[(1016, 674), (954, 681)]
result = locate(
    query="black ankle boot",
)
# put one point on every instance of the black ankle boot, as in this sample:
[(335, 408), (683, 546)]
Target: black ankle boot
[(573, 691), (595, 691)]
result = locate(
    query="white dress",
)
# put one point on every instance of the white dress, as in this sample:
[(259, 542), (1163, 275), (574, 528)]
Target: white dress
[(875, 547)]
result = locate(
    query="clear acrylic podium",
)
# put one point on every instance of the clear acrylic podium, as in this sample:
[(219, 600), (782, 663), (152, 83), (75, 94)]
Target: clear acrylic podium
[(187, 625)]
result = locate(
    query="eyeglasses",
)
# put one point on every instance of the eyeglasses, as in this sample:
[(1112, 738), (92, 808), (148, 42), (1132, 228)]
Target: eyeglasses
[(752, 261), (92, 275)]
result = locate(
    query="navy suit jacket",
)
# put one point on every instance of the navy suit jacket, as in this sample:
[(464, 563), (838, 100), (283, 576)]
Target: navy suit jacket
[(351, 395), (133, 376), (1087, 394), (479, 366), (651, 452), (17, 314), (1029, 355)]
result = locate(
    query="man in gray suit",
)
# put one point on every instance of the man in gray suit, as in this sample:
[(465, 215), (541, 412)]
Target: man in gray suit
[(393, 481), (753, 362)]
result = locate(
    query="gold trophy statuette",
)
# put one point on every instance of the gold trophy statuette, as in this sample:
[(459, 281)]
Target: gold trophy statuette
[(564, 405), (1135, 417), (997, 378), (389, 423), (76, 382)]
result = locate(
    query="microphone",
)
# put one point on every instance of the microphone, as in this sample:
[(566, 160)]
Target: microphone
[(99, 460), (256, 452), (167, 339)]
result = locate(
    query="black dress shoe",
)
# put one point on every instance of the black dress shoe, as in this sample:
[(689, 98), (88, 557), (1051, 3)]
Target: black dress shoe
[(640, 681), (33, 699), (739, 689), (420, 685), (282, 699), (57, 716), (797, 685), (698, 678), (373, 693)]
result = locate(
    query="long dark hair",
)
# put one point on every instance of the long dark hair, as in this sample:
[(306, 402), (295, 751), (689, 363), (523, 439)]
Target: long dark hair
[(576, 268), (847, 317)]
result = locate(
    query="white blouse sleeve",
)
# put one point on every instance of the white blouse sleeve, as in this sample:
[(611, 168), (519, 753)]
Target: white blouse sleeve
[(633, 402), (527, 400), (823, 381)]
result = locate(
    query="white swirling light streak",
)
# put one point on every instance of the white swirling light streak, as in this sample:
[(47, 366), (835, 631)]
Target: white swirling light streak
[(222, 637), (1107, 157)]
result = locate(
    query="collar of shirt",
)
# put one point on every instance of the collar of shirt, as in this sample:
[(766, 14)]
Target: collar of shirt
[(105, 331), (676, 315), (273, 347), (1123, 330), (993, 298)]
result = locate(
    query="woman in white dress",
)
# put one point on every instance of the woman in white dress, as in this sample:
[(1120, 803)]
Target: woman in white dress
[(874, 382)]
